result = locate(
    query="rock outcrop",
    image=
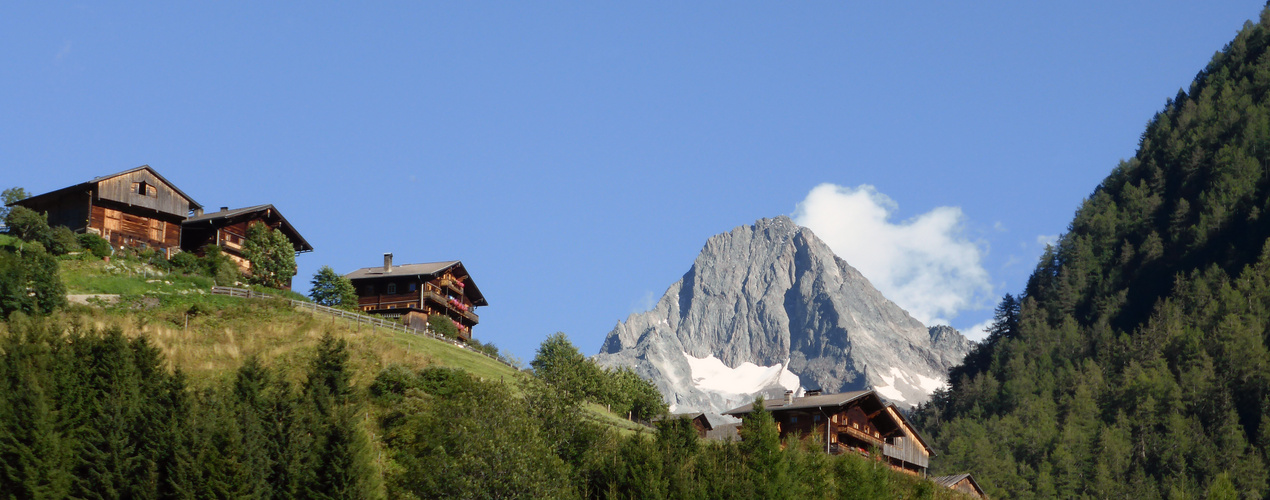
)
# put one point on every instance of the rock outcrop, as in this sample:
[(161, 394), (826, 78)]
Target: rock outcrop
[(768, 307)]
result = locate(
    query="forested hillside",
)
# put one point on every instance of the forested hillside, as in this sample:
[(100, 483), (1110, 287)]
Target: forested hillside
[(165, 391), (1135, 362)]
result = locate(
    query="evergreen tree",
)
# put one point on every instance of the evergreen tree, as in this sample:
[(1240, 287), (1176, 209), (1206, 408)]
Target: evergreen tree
[(761, 445), (330, 289)]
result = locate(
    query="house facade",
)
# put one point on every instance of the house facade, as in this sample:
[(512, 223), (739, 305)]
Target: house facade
[(228, 229), (135, 208), (858, 422), (413, 292)]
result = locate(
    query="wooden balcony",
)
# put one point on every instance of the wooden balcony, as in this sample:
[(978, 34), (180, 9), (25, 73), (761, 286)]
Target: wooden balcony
[(413, 300)]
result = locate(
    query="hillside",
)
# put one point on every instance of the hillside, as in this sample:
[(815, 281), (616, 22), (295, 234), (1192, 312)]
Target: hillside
[(170, 392), (1135, 362), (208, 336)]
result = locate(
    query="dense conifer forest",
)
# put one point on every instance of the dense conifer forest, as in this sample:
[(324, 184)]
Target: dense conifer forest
[(1135, 362)]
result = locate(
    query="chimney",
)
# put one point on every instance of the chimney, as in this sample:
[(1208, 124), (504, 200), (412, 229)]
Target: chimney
[(789, 397), (388, 262), (198, 212), (224, 209), (812, 392)]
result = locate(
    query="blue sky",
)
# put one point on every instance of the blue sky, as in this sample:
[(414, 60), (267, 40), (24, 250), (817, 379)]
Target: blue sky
[(576, 156)]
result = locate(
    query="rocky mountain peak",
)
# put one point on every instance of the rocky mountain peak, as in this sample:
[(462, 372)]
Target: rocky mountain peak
[(769, 307)]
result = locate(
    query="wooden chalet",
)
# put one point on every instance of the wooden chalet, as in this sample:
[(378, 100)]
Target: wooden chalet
[(413, 292), (964, 483), (228, 229), (134, 208), (858, 421)]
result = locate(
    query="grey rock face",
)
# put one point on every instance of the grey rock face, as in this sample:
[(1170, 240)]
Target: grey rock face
[(774, 295)]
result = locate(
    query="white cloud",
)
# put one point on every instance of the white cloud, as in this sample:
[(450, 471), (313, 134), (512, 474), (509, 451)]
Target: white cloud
[(925, 264), (978, 332), (1046, 239), (645, 303), (66, 50)]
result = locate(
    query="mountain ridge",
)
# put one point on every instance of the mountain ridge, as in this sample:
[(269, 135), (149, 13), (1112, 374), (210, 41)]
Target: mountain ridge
[(768, 307)]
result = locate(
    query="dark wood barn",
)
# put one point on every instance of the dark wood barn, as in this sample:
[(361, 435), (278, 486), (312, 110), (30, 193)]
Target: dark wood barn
[(228, 229), (857, 421), (135, 208), (413, 292)]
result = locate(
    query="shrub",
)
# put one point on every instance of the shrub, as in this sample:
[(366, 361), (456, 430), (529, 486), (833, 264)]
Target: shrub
[(95, 244), (187, 262), (443, 326), (220, 267), (62, 241)]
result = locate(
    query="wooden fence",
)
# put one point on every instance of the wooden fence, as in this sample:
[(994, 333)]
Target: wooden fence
[(360, 319)]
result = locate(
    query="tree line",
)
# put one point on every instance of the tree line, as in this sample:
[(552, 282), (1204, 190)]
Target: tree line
[(1135, 362)]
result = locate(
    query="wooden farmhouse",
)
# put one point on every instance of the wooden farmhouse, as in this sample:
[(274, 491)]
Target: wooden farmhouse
[(858, 422), (413, 292), (228, 229), (134, 208), (701, 422), (964, 483), (710, 426)]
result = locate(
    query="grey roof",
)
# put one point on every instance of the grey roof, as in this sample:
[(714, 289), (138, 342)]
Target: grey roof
[(951, 481), (713, 420), (211, 218), (95, 180), (804, 402), (426, 269), (227, 213), (718, 421)]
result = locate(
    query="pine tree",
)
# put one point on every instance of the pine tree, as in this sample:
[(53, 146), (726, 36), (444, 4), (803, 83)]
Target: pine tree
[(328, 288)]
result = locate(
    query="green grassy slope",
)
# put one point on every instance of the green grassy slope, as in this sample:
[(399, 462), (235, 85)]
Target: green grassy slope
[(209, 336)]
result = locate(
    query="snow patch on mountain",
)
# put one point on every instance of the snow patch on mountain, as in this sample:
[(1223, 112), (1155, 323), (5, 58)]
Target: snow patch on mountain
[(710, 374), (767, 308)]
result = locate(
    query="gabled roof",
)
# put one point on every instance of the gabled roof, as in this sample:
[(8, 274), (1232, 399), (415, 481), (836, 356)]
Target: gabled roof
[(951, 481), (805, 402), (426, 270), (226, 217), (93, 182), (916, 433)]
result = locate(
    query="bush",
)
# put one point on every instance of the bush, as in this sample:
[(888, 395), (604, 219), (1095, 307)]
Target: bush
[(95, 244), (220, 267), (62, 241), (187, 262), (443, 326)]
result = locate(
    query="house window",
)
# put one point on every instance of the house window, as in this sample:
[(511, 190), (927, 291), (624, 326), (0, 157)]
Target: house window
[(392, 288), (816, 418), (793, 420), (143, 189), (412, 287)]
